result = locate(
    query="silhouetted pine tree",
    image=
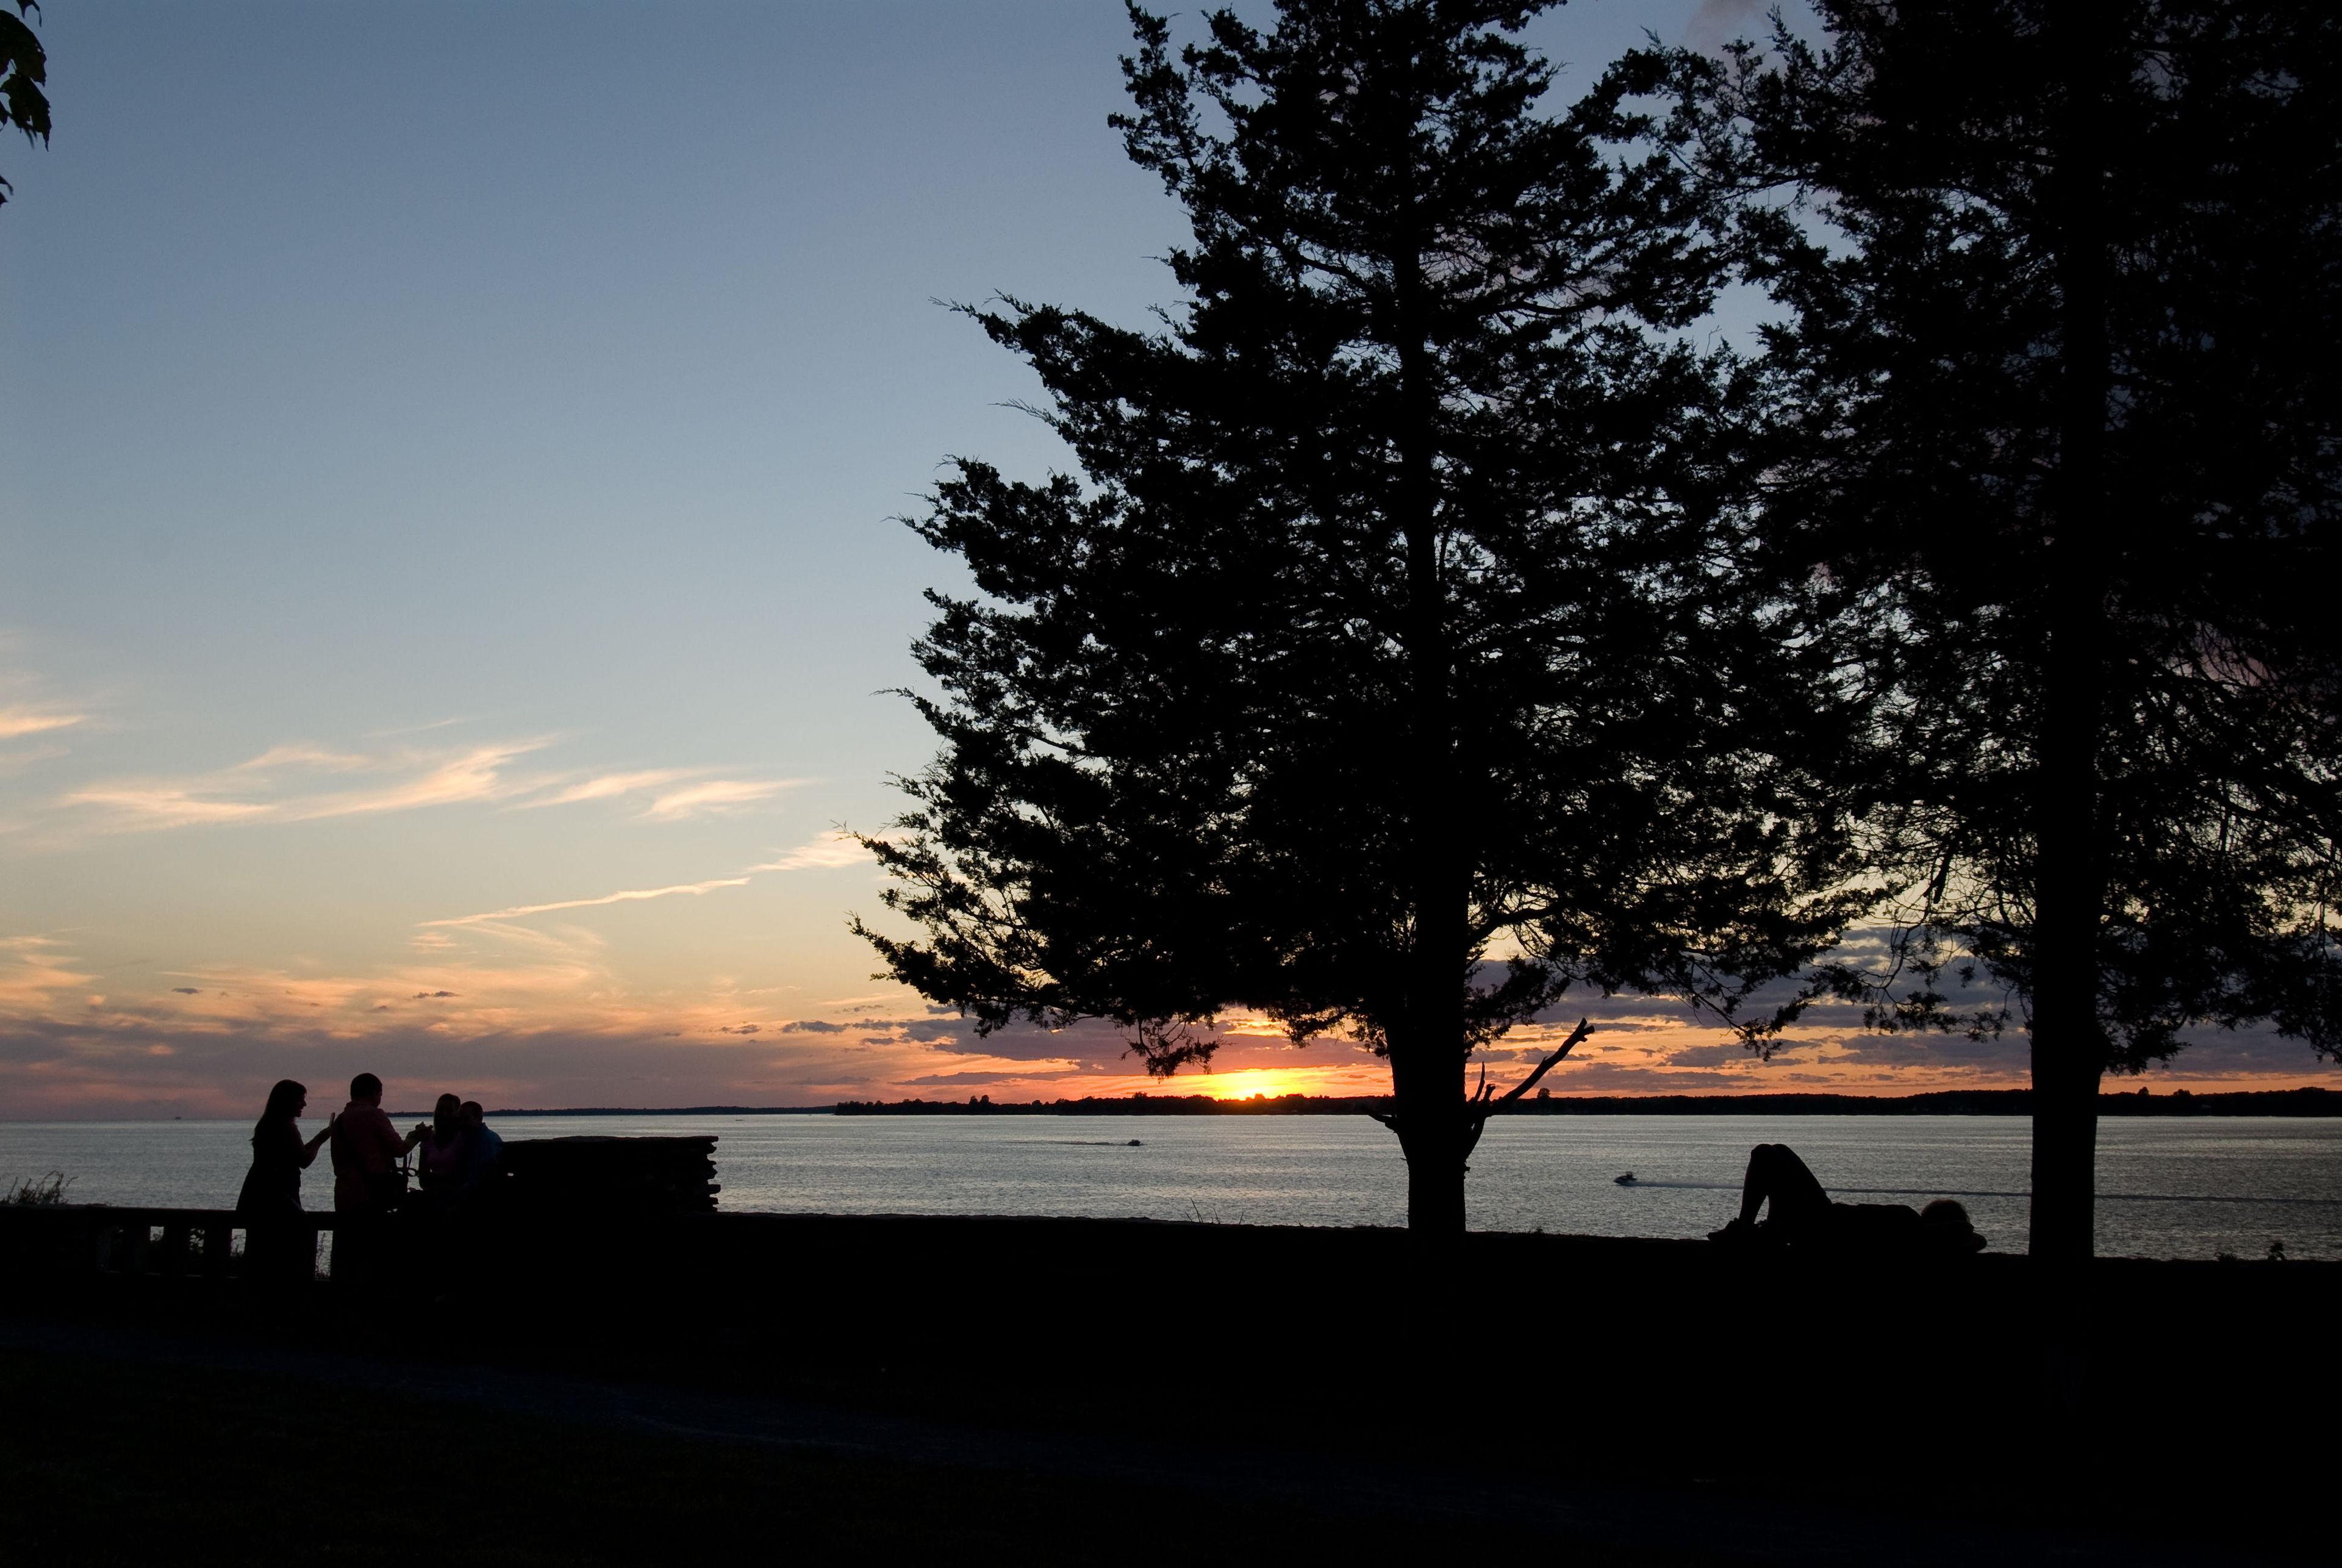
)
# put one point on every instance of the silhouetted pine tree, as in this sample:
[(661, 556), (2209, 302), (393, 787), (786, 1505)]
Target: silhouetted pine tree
[(24, 69), (1405, 617), (2063, 381)]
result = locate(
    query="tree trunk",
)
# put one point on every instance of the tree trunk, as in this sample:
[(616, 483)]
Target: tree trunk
[(2069, 881), (1428, 1063), (1427, 1091)]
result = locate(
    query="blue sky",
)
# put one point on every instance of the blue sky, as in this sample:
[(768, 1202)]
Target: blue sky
[(449, 465)]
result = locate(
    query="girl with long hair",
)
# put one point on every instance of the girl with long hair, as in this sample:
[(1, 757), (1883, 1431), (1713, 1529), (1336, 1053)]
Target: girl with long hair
[(273, 1186)]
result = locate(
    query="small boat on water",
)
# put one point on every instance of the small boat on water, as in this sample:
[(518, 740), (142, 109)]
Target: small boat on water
[(1625, 1181)]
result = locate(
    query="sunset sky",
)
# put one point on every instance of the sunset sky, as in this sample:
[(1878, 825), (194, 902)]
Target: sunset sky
[(450, 581)]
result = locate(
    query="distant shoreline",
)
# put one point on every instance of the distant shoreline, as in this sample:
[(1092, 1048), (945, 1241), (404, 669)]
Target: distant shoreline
[(2310, 1102), (662, 1110)]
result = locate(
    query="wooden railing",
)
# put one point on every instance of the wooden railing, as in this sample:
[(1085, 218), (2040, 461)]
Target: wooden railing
[(98, 1239)]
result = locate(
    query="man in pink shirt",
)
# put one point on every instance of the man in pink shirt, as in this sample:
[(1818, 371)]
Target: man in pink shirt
[(366, 1150)]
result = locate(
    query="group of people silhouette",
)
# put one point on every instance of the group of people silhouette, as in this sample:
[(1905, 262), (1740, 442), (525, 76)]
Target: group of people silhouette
[(457, 1154)]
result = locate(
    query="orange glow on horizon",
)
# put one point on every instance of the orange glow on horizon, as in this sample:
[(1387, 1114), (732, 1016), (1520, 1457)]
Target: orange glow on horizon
[(1267, 1082), (1275, 1082)]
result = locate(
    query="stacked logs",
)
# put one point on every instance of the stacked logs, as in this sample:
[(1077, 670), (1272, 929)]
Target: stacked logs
[(607, 1174)]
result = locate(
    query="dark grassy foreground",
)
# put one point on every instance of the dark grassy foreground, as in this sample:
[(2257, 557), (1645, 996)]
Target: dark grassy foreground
[(112, 1465), (2141, 1401)]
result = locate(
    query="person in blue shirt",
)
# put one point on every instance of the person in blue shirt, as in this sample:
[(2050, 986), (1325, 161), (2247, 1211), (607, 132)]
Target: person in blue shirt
[(483, 1151)]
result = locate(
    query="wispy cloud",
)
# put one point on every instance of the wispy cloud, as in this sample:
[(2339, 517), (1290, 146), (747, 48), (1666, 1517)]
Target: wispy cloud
[(30, 720), (438, 937), (259, 790), (830, 849), (302, 781), (476, 774), (135, 807), (301, 754), (35, 971), (609, 786), (714, 794), (627, 896)]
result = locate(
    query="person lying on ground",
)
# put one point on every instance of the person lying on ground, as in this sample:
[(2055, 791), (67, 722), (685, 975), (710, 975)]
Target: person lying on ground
[(367, 1153), (1802, 1216)]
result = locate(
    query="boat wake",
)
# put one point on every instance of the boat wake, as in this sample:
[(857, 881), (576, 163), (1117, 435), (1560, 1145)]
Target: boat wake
[(1955, 1192)]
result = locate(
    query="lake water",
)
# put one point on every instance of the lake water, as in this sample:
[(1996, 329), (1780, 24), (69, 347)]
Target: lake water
[(2170, 1187)]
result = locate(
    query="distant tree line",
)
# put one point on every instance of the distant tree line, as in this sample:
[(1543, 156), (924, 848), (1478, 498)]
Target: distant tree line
[(2303, 1102), (1445, 620)]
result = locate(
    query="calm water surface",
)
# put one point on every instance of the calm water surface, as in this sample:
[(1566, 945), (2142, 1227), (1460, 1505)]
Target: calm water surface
[(2171, 1187)]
